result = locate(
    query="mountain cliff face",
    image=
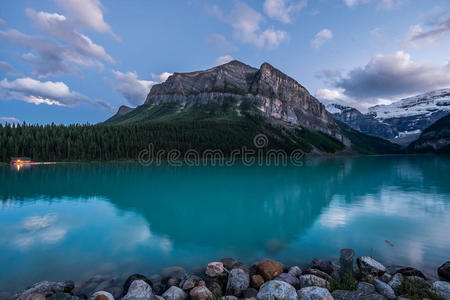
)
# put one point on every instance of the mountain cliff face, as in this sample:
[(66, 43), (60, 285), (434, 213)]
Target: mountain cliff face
[(435, 138), (276, 95)]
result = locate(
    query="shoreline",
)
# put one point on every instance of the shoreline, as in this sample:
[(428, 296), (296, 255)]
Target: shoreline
[(228, 279)]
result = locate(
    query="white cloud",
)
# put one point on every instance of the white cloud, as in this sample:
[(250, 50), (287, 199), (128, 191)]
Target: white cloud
[(321, 38), (161, 77), (393, 76), (246, 24), (223, 60), (220, 42), (49, 92), (88, 13), (282, 9), (330, 95), (417, 36), (9, 120), (132, 88), (381, 4)]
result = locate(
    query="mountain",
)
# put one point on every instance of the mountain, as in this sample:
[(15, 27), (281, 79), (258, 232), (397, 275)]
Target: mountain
[(400, 122), (235, 96), (122, 111), (435, 138)]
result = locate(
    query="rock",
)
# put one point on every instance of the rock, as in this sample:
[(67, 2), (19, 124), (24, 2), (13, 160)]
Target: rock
[(201, 292), (65, 296), (346, 261), (250, 293), (318, 273), (313, 280), (368, 278), (156, 297), (215, 287), (444, 271), (33, 296), (409, 271), (238, 282), (368, 265), (115, 291), (228, 263), (101, 295), (384, 289), (403, 298), (172, 281), (386, 277), (365, 287), (269, 269), (295, 271), (277, 290), (173, 272), (191, 282), (396, 282), (174, 293), (292, 280), (214, 269), (355, 295), (257, 281), (442, 288), (138, 289), (324, 265), (47, 288), (229, 298), (132, 278), (418, 281), (314, 293)]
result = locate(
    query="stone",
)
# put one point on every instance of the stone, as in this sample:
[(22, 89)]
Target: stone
[(132, 278), (365, 287), (214, 269), (215, 287), (156, 297), (386, 277), (228, 262), (318, 273), (410, 271), (101, 295), (33, 296), (174, 293), (313, 280), (384, 289), (138, 289), (238, 282), (368, 265), (295, 271), (396, 282), (47, 288), (355, 295), (201, 292), (115, 291), (250, 293), (172, 281), (257, 281), (444, 271), (64, 296), (326, 266), (277, 290), (314, 293), (292, 280), (346, 261), (442, 289), (269, 269), (191, 282), (229, 298), (174, 272)]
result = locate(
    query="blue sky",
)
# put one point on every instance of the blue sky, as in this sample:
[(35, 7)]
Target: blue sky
[(77, 61)]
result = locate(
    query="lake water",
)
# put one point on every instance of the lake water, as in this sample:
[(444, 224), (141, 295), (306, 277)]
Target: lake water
[(73, 221)]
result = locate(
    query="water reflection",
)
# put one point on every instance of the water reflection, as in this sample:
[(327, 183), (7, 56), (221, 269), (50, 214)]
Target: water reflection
[(76, 220)]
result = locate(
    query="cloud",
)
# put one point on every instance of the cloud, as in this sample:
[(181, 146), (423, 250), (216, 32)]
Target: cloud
[(246, 24), (7, 67), (49, 92), (220, 42), (2, 22), (418, 36), (393, 76), (161, 77), (223, 60), (330, 95), (131, 87), (9, 120), (87, 13), (381, 4), (281, 10), (321, 38)]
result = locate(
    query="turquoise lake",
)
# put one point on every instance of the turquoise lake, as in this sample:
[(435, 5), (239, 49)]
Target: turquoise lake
[(73, 221)]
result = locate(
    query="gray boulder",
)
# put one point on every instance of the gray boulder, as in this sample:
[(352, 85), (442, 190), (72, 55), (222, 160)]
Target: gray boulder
[(64, 296), (396, 282), (384, 289), (314, 293), (174, 272), (356, 295), (191, 282), (47, 288), (318, 273), (214, 269), (201, 292), (313, 280), (326, 266), (139, 289), (295, 271), (101, 295), (365, 287), (444, 271), (369, 266), (238, 282), (442, 288), (174, 293), (292, 280), (229, 298), (277, 290)]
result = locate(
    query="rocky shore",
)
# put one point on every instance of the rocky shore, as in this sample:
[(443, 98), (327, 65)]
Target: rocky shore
[(228, 279)]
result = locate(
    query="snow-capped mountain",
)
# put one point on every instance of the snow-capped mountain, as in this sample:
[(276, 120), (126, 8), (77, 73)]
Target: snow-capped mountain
[(400, 122)]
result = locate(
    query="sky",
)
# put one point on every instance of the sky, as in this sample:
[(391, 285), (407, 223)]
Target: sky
[(78, 61)]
